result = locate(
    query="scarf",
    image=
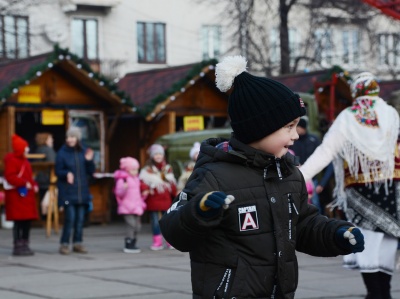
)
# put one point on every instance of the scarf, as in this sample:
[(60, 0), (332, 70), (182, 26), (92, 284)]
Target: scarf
[(370, 128)]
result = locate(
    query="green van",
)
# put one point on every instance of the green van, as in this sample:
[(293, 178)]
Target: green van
[(177, 145)]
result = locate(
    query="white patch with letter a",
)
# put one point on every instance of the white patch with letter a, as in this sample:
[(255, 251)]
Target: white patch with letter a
[(248, 219)]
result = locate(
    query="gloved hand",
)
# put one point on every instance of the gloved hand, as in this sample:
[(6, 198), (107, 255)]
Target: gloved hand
[(212, 203), (350, 238)]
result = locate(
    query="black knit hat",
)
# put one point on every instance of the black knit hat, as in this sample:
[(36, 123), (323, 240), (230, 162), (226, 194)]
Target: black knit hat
[(258, 106), (302, 123)]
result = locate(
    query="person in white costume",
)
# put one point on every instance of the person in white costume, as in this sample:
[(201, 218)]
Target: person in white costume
[(362, 144)]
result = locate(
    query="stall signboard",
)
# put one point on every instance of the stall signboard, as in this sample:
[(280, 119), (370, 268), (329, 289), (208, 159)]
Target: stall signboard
[(193, 123), (29, 94), (52, 117)]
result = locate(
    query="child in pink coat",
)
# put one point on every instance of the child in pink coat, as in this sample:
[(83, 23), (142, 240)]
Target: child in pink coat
[(130, 194)]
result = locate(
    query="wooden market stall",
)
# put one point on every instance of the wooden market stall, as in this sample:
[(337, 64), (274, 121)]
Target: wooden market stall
[(50, 93), (173, 99)]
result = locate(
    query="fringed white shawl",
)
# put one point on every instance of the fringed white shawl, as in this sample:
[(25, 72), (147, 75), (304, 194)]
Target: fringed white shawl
[(152, 177), (364, 146)]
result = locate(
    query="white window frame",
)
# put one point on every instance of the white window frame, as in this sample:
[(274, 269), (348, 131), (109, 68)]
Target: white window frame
[(350, 42), (389, 50), (211, 41), (85, 49), (294, 45), (324, 45), (99, 153)]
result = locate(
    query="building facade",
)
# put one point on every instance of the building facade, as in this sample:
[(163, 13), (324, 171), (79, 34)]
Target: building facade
[(123, 36)]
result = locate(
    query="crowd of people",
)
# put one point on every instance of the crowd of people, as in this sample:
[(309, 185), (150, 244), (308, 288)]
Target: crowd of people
[(243, 206), (137, 190)]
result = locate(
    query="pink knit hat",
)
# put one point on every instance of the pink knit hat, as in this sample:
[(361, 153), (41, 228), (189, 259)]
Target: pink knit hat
[(128, 163), (155, 149)]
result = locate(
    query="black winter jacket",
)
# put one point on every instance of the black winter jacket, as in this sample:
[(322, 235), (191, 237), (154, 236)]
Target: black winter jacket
[(248, 250)]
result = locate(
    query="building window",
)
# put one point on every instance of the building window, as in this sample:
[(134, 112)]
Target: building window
[(275, 45), (293, 44), (211, 41), (389, 49), (151, 42), (323, 47), (351, 47), (14, 37), (85, 38)]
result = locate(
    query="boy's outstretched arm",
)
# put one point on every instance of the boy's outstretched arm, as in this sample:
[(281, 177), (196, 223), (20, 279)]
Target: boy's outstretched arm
[(194, 212)]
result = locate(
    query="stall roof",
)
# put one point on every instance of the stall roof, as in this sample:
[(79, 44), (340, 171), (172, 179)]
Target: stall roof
[(305, 81), (17, 73), (388, 87), (152, 87)]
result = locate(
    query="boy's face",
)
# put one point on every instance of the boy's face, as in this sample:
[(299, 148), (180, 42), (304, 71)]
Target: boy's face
[(278, 143)]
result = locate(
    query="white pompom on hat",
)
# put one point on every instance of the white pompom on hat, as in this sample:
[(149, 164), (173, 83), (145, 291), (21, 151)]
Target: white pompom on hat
[(155, 149), (194, 150)]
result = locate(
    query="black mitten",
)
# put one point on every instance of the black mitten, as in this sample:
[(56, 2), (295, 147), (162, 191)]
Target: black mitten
[(212, 203), (350, 238)]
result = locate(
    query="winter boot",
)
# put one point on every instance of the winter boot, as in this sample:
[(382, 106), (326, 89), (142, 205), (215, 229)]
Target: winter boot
[(18, 248), (130, 246), (25, 247), (385, 284), (157, 243), (64, 249), (372, 283), (78, 248)]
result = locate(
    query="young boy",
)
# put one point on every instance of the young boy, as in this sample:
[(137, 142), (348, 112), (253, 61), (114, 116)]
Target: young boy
[(244, 210)]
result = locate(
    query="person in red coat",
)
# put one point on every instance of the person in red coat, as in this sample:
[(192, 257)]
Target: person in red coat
[(20, 200), (158, 175)]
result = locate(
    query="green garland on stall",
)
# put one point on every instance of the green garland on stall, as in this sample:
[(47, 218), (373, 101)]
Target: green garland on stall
[(328, 75), (335, 70), (177, 86), (60, 54)]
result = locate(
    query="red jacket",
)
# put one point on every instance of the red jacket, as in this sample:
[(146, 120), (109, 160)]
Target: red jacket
[(16, 206), (162, 186)]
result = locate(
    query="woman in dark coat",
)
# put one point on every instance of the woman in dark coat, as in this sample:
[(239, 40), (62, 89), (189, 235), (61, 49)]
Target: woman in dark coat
[(20, 200), (74, 166)]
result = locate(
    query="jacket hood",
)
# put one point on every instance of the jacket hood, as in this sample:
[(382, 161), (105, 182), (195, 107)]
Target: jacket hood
[(18, 145), (234, 151)]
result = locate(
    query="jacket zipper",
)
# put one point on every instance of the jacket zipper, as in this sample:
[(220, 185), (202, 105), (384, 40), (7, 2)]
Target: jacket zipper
[(290, 215), (224, 283), (274, 287), (278, 168), (290, 205)]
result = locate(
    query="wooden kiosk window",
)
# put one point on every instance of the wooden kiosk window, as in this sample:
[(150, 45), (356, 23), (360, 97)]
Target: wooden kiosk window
[(91, 124)]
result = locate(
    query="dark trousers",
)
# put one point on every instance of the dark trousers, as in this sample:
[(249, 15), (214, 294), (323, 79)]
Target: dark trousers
[(155, 216), (21, 229), (377, 284), (74, 218)]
